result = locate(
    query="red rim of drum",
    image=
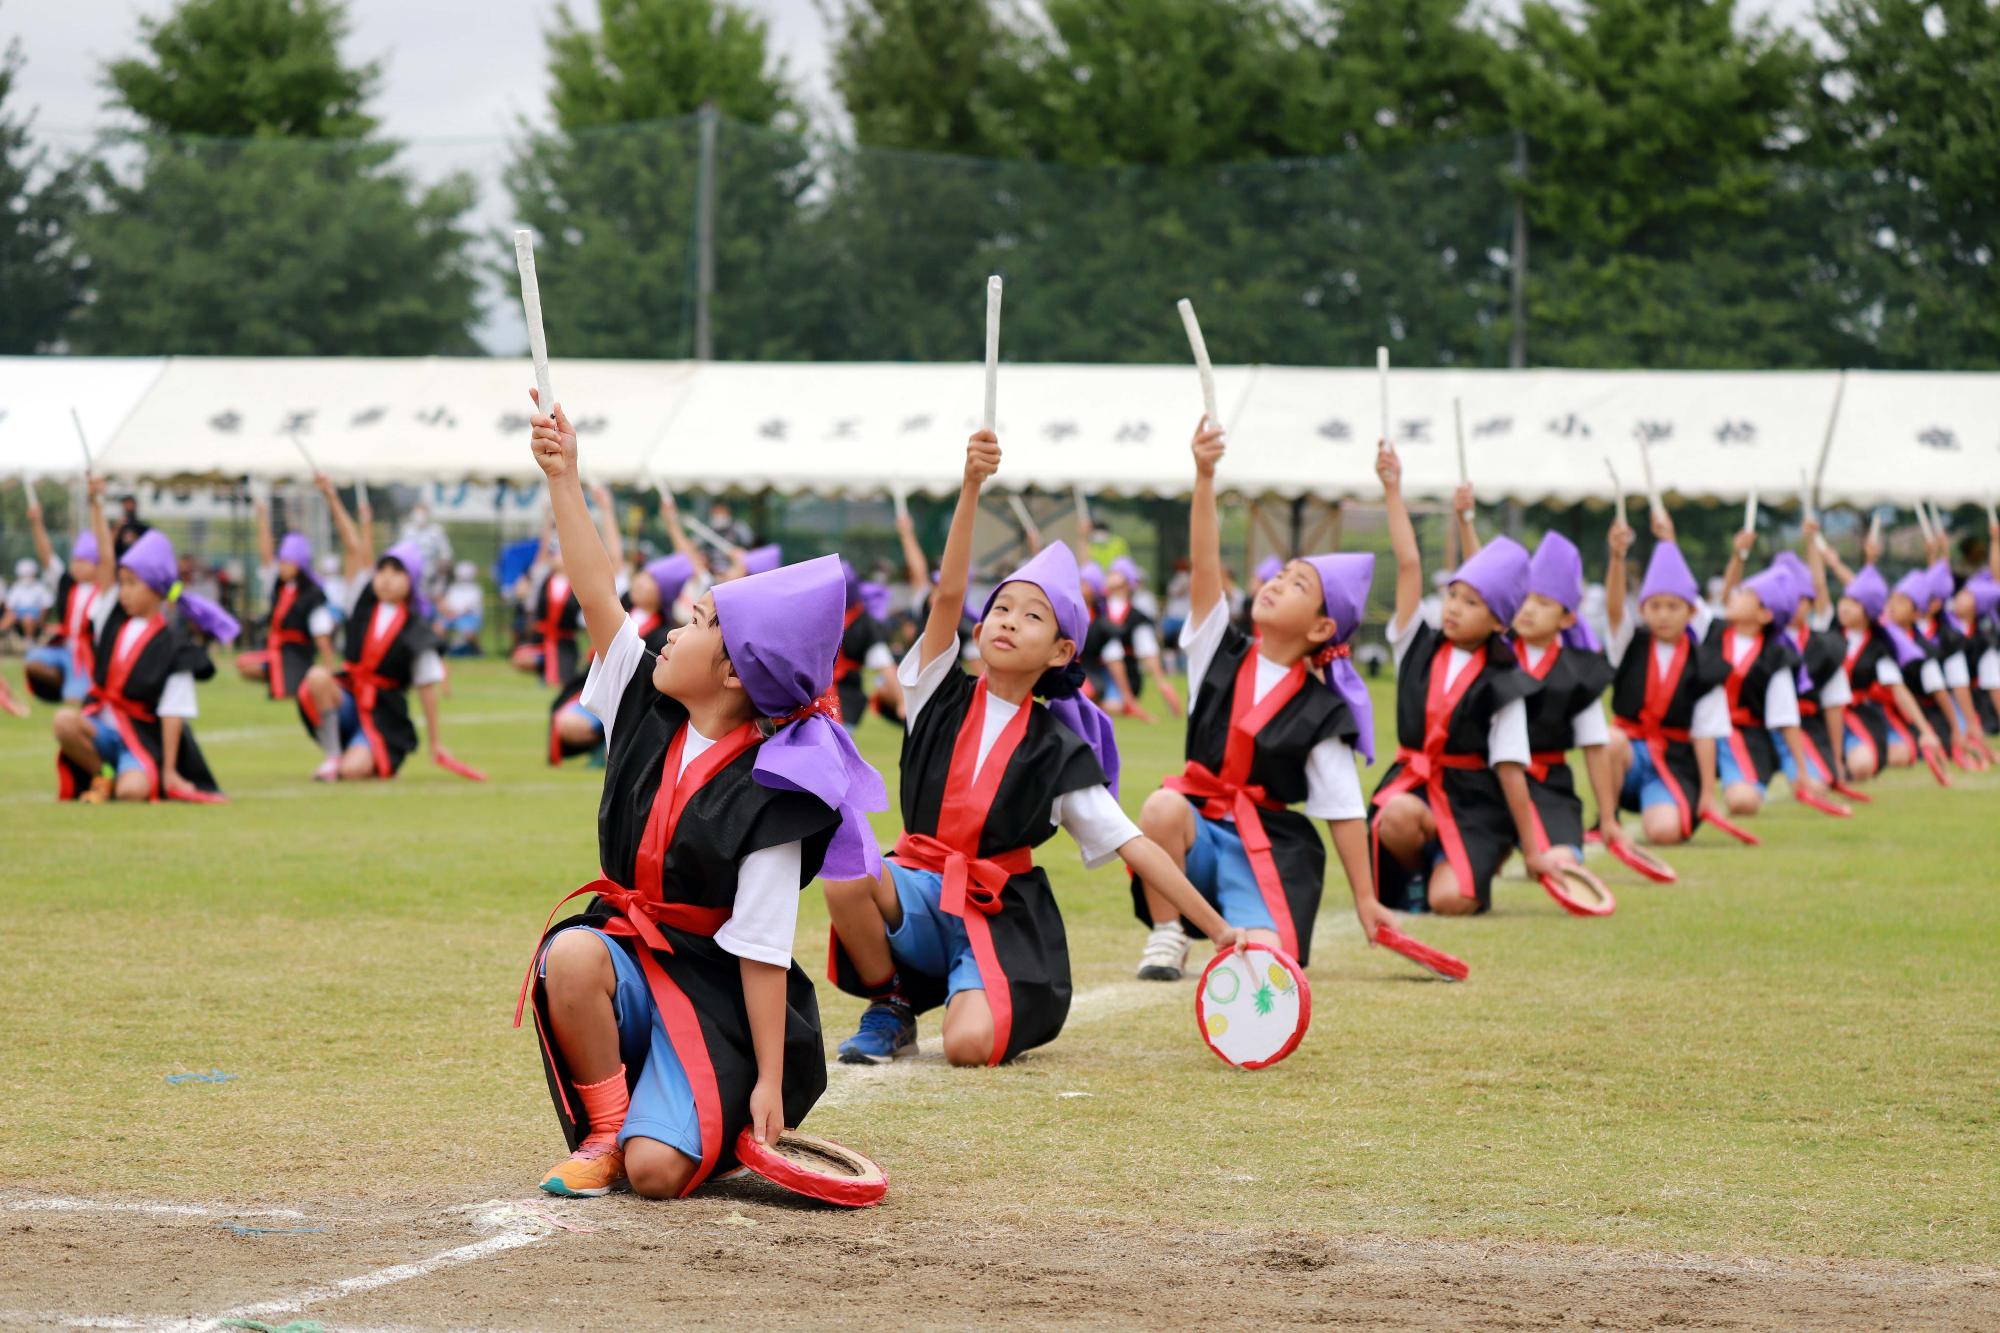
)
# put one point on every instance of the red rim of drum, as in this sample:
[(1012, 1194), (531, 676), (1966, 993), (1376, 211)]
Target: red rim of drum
[(815, 1167)]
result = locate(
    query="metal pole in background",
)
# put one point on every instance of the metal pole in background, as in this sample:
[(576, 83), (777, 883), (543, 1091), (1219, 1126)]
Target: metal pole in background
[(1517, 350), (704, 334)]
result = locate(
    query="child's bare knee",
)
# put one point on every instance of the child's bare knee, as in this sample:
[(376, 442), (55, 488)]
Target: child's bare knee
[(1743, 800), (1662, 825), (576, 958), (68, 724), (1861, 766), (357, 764), (1446, 899), (656, 1171), (1165, 817), (968, 1048), (132, 786)]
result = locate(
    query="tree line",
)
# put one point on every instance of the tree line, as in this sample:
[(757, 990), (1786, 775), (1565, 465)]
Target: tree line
[(1696, 188)]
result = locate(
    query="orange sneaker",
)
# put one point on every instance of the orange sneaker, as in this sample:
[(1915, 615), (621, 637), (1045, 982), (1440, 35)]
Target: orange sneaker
[(99, 793), (589, 1172)]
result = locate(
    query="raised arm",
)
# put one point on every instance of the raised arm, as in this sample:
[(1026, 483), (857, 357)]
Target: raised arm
[(267, 550), (1739, 550), (364, 515), (1402, 536), (982, 460), (1463, 506), (584, 557), (915, 567), (607, 523), (107, 557), (1204, 532), (353, 553), (1620, 541), (45, 553), (1816, 555), (670, 518)]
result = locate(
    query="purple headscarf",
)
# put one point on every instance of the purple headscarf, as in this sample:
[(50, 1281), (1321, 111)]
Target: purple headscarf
[(1915, 585), (1985, 594), (1869, 591), (1556, 572), (1943, 585), (1344, 580), (1269, 568), (1777, 593), (782, 629), (763, 559), (876, 599), (1801, 574), (1055, 572), (296, 549), (1499, 574), (151, 560), (84, 547), (1668, 575), (1092, 577), (852, 576), (1126, 565), (411, 557), (1908, 650), (671, 573)]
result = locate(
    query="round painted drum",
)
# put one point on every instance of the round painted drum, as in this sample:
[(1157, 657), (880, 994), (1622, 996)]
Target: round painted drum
[(815, 1167), (1253, 1007)]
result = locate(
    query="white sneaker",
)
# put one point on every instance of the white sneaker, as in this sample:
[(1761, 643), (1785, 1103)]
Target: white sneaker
[(1165, 955), (328, 771)]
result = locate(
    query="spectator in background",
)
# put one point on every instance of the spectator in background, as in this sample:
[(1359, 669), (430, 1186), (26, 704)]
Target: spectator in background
[(334, 585), (27, 601), (429, 536), (130, 529), (462, 612)]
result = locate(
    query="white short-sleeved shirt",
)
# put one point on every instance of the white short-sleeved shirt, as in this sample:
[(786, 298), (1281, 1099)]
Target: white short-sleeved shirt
[(1507, 734), (1989, 670), (1931, 676), (177, 695), (1711, 711), (765, 917), (1145, 640), (1333, 782), (1887, 671), (880, 657), (29, 599), (1836, 693), (1588, 724), (1957, 674), (1091, 815)]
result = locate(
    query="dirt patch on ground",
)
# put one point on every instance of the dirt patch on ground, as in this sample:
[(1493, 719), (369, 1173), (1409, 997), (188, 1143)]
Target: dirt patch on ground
[(742, 1254)]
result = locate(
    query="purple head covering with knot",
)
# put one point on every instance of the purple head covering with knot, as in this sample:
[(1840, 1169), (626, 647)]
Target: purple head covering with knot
[(1776, 592), (411, 557), (1091, 575), (1915, 585), (1127, 566), (782, 629), (1801, 574), (1499, 574), (1344, 580), (1668, 575), (151, 560), (1869, 592), (1943, 585), (84, 547), (1055, 572), (296, 549), (876, 599), (1556, 572), (1985, 594), (671, 573), (1908, 651), (763, 559), (1269, 568)]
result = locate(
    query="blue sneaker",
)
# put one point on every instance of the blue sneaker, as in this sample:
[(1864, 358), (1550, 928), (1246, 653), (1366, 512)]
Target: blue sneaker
[(888, 1029)]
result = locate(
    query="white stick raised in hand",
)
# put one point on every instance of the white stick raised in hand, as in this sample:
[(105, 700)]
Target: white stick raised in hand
[(1750, 511), (1382, 388), (1458, 425), (1200, 349), (84, 441), (1617, 491), (531, 307), (987, 421)]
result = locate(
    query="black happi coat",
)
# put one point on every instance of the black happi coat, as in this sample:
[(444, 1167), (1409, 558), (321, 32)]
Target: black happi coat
[(1104, 631), (731, 816), (1823, 654), (1478, 805), (1977, 643), (385, 708), (568, 617), (1873, 713), (290, 645), (861, 635), (1029, 942), (1573, 679), (1278, 765), (1702, 672), (1939, 641), (55, 630), (130, 703), (1754, 744), (653, 633)]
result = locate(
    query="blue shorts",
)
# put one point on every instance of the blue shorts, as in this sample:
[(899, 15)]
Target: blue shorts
[(350, 722), (931, 940), (580, 711), (111, 748), (74, 683), (1729, 773), (1644, 784), (466, 624), (1219, 869), (1788, 764), (662, 1098)]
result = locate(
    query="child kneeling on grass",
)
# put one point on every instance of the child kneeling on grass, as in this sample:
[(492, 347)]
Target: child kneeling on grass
[(962, 916), (670, 1013), (1277, 717)]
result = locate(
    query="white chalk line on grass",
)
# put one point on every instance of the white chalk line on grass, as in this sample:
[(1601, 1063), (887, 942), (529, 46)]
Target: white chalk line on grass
[(64, 1204)]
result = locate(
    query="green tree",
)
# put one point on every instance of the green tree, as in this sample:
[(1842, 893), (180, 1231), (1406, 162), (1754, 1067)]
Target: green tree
[(612, 191), (39, 269), (262, 218), (1910, 107), (1669, 229)]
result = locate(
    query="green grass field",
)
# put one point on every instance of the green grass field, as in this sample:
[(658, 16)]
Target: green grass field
[(1792, 1053)]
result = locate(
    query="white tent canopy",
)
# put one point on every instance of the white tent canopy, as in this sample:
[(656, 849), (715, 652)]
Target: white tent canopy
[(1540, 435)]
